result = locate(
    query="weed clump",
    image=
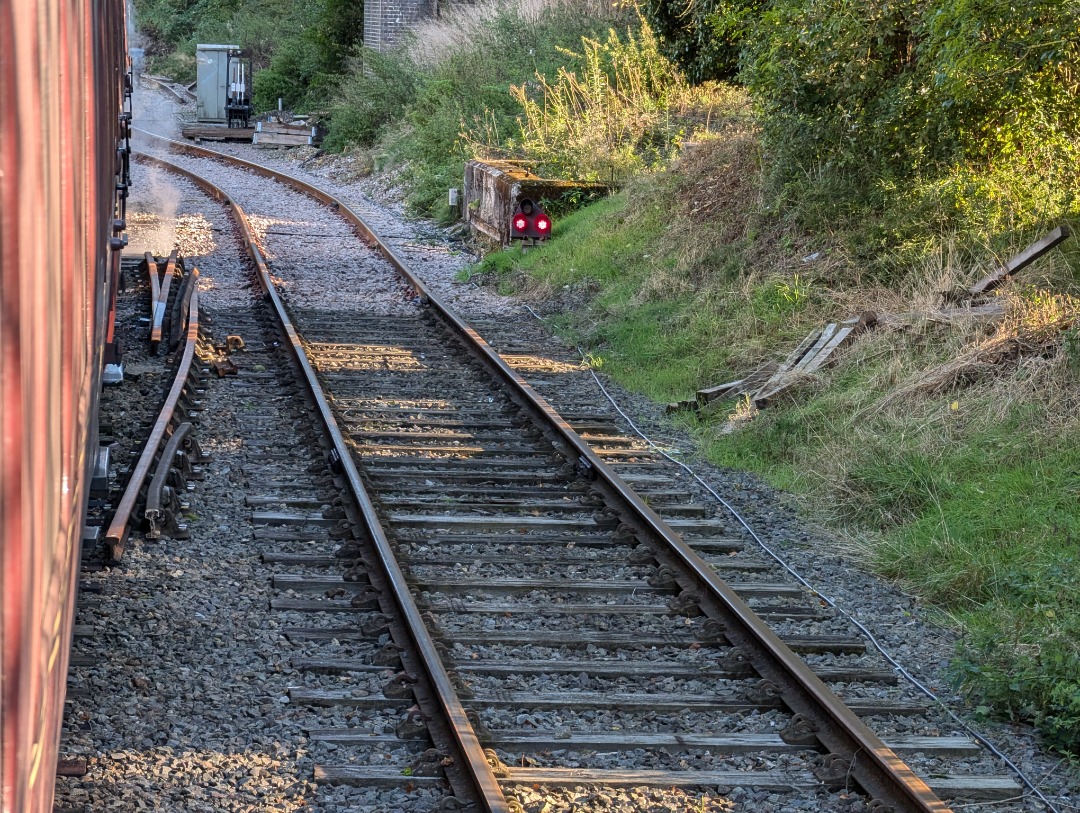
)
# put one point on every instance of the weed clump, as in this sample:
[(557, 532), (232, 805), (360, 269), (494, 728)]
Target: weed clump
[(619, 108)]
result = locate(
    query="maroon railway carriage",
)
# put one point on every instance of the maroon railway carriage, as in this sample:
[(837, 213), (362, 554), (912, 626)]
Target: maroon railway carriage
[(63, 75)]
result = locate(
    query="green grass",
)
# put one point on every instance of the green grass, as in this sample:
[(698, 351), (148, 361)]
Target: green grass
[(994, 537), (974, 511), (966, 496), (658, 347)]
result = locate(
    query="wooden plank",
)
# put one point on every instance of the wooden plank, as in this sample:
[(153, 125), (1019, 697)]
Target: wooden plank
[(1020, 261), (365, 776), (778, 781), (823, 339), (302, 559), (332, 666), (285, 518), (681, 406), (207, 132), (357, 698), (758, 377), (842, 337), (719, 391), (781, 375), (781, 380), (801, 349), (71, 767), (302, 605), (668, 701), (359, 736), (493, 523), (294, 501), (982, 787), (315, 584), (558, 558), (648, 669), (635, 586), (986, 312), (281, 128), (740, 743), (801, 644), (280, 140), (778, 384)]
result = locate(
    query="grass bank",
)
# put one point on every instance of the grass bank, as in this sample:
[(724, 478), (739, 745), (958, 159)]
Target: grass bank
[(946, 450)]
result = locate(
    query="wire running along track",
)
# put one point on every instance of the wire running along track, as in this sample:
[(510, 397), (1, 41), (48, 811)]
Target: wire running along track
[(880, 772)]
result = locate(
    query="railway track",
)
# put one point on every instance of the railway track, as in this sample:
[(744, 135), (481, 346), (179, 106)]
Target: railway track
[(544, 587)]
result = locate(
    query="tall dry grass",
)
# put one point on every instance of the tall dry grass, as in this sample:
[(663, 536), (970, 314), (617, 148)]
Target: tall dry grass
[(454, 30)]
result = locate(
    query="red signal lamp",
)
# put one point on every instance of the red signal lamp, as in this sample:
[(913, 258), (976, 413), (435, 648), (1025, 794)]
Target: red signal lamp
[(529, 222)]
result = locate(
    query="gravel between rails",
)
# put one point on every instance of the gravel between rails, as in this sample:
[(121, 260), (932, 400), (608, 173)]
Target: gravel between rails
[(922, 647), (180, 700)]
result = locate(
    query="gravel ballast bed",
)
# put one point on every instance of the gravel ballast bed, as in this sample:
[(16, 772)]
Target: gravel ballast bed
[(897, 621)]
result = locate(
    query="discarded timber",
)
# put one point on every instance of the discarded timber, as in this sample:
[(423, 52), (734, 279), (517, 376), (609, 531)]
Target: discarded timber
[(780, 378), (1019, 262), (733, 389), (208, 132), (771, 379), (720, 391), (813, 353), (275, 134)]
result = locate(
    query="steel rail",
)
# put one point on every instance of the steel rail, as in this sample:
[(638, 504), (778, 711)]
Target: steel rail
[(162, 300), (478, 770), (116, 536), (155, 493), (155, 281), (183, 98), (880, 772)]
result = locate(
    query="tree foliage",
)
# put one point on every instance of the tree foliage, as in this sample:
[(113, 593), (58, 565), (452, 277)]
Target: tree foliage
[(703, 37), (910, 80), (299, 49), (962, 112)]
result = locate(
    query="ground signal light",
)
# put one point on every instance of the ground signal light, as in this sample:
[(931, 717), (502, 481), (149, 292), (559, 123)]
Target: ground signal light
[(530, 221)]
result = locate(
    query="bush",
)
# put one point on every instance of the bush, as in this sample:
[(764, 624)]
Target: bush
[(622, 109), (962, 111), (430, 104), (378, 91), (298, 50)]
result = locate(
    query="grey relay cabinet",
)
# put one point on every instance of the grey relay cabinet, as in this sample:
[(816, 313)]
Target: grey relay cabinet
[(213, 81)]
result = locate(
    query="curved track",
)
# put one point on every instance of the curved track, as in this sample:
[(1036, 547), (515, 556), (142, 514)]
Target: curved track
[(581, 617)]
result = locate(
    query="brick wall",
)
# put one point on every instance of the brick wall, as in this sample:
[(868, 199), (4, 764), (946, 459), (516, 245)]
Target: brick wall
[(384, 20)]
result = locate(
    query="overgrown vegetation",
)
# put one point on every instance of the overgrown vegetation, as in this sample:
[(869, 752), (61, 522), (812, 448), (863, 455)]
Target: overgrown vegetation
[(945, 450), (855, 156), (617, 109), (431, 105), (299, 50), (895, 122)]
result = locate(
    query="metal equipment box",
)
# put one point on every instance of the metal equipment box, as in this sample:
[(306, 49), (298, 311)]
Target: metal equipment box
[(213, 81)]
